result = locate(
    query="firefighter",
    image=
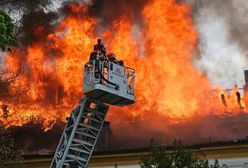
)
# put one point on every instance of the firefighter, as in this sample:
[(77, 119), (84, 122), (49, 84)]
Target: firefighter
[(99, 48), (111, 57), (93, 56), (223, 99), (99, 53), (238, 98)]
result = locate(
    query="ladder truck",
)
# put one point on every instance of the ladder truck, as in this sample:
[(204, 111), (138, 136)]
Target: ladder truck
[(106, 82)]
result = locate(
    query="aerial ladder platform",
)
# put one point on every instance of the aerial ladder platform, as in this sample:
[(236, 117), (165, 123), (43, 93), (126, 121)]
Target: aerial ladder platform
[(106, 82)]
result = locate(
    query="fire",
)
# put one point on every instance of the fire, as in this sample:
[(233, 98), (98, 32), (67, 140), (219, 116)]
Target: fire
[(160, 49)]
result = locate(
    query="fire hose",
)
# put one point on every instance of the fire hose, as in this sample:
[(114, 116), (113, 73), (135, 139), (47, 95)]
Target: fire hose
[(102, 77)]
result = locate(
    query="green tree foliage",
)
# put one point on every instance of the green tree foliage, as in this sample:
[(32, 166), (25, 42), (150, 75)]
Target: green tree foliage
[(179, 158), (9, 153), (6, 30)]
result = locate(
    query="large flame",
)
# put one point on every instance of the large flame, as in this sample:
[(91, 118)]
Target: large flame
[(160, 49)]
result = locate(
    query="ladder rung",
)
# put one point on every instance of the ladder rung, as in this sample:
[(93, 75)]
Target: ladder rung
[(89, 126), (85, 134), (93, 119), (95, 111), (80, 150), (90, 110), (67, 164), (83, 130), (82, 142), (76, 158)]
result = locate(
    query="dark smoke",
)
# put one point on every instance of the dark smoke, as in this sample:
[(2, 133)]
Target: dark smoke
[(32, 139), (110, 10), (200, 129), (36, 26), (126, 134), (35, 19)]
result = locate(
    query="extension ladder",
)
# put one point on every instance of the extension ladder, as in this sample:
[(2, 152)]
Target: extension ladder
[(80, 135)]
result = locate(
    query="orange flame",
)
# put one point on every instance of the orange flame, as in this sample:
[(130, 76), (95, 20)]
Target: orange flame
[(160, 50)]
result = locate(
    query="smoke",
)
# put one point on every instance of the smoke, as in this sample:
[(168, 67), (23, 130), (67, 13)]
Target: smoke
[(32, 139), (136, 134), (199, 129), (222, 27), (110, 10), (36, 26)]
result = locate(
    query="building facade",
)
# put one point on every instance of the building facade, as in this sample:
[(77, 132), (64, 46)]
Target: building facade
[(229, 155)]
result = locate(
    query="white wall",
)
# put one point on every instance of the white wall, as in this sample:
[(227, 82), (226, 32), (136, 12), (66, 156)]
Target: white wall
[(229, 162), (233, 162)]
